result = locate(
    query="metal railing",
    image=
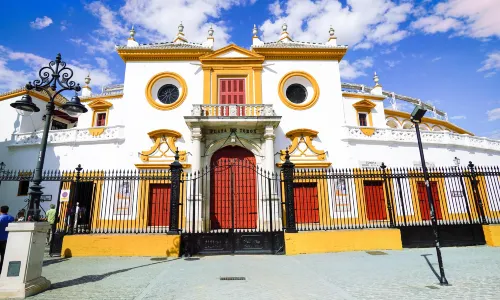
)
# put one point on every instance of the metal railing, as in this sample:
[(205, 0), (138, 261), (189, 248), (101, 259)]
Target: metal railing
[(232, 110)]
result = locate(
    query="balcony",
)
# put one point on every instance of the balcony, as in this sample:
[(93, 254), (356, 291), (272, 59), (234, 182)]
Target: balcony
[(428, 137), (111, 134), (226, 114)]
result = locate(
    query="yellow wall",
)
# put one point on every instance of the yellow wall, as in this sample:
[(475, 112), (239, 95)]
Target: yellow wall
[(121, 245), (342, 240), (492, 235)]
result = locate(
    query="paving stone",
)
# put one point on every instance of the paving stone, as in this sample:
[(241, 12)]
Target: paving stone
[(474, 273)]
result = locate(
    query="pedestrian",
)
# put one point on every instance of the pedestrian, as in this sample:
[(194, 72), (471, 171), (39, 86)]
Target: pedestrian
[(5, 219), (20, 215), (51, 218)]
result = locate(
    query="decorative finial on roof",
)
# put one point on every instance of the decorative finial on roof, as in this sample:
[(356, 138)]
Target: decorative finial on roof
[(210, 31), (87, 79), (255, 31), (331, 32), (375, 78), (181, 27), (180, 35), (132, 33), (86, 90), (377, 90), (284, 27)]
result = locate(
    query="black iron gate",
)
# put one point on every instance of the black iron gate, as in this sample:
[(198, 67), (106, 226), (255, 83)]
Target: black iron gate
[(232, 207)]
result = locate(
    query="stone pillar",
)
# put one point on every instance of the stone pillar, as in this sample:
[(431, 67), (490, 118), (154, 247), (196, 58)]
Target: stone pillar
[(269, 137), (196, 149), (22, 267)]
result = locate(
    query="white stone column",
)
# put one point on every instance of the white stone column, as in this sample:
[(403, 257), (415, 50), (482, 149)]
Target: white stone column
[(195, 198), (269, 155)]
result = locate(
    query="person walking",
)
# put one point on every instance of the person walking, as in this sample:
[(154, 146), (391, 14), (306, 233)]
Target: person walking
[(5, 219), (51, 218)]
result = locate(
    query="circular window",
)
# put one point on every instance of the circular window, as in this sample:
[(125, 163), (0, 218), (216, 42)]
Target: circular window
[(296, 93), (166, 91), (298, 90), (168, 94)]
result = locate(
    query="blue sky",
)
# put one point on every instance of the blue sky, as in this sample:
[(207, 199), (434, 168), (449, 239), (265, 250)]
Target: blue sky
[(443, 52)]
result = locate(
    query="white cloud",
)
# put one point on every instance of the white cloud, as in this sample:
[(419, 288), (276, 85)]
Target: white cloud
[(392, 63), (64, 25), (436, 59), (458, 118), (491, 64), (493, 114), (41, 23), (275, 8), (356, 69), (356, 23), (473, 18), (11, 78)]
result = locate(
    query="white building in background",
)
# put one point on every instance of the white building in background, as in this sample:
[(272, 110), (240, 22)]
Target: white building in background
[(258, 101)]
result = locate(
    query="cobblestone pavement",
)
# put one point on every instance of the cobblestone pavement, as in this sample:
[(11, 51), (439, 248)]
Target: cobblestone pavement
[(474, 273)]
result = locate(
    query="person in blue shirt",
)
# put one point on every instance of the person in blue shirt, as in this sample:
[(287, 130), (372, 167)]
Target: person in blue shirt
[(5, 219)]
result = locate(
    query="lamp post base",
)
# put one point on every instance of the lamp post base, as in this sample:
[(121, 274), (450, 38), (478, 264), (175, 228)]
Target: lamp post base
[(22, 267)]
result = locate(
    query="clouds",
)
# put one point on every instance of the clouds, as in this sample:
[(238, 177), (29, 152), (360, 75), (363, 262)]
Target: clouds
[(356, 24), (30, 63), (493, 114), (356, 69), (41, 23), (472, 18), (491, 64)]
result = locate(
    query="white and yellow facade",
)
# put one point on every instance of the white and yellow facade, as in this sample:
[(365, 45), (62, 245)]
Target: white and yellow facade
[(327, 124)]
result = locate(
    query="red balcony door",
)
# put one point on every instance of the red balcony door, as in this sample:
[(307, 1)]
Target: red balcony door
[(425, 209), (233, 201), (159, 204), (375, 200), (232, 91), (306, 204)]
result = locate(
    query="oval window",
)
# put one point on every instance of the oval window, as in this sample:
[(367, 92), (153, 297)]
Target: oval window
[(168, 94), (296, 93)]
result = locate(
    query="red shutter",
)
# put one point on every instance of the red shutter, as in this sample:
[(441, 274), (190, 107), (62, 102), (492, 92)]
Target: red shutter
[(101, 119), (375, 200), (232, 91)]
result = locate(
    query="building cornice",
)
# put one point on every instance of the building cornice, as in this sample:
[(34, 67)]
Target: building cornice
[(301, 53), (161, 54), (60, 100), (363, 96)]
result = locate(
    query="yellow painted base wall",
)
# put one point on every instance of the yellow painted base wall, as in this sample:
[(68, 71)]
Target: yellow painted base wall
[(121, 245), (492, 235), (342, 240)]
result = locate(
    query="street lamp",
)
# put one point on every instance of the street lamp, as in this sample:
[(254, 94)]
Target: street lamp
[(416, 118), (52, 76)]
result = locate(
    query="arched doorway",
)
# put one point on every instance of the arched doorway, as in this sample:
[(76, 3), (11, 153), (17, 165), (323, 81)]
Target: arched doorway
[(233, 197)]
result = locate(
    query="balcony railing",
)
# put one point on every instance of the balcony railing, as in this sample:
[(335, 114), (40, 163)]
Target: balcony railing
[(70, 136), (428, 137), (233, 110)]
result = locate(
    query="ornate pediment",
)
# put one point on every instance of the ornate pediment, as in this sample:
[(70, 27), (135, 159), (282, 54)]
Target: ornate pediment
[(163, 149), (364, 105), (232, 53), (100, 105), (302, 151)]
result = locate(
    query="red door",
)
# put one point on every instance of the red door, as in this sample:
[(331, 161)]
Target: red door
[(375, 200), (425, 209), (232, 91), (306, 202), (159, 205), (233, 202)]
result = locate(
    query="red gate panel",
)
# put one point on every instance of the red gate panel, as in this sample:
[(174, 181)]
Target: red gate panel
[(232, 91), (159, 205), (306, 204), (233, 202), (425, 209), (375, 200)]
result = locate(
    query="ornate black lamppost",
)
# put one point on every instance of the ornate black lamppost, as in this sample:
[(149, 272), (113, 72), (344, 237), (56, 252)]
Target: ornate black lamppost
[(51, 77), (416, 118)]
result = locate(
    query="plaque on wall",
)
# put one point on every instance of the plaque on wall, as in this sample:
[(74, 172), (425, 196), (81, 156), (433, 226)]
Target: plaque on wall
[(14, 268), (366, 164)]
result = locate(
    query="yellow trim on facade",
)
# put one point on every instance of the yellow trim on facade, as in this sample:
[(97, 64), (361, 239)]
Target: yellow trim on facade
[(492, 235), (121, 245), (59, 101), (308, 242), (362, 96), (446, 124), (308, 164), (365, 106), (302, 106), (98, 97), (141, 54), (155, 166), (301, 53), (247, 74), (99, 106), (302, 136), (161, 106), (359, 183), (163, 137)]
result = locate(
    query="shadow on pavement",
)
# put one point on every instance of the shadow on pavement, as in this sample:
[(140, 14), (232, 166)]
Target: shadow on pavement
[(430, 266), (94, 278), (53, 261)]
